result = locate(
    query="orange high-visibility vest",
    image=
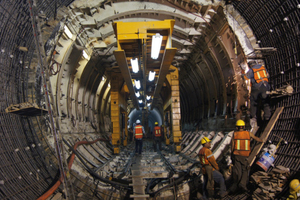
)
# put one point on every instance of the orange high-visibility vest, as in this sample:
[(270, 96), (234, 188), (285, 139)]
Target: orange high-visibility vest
[(138, 131), (204, 155), (241, 143), (157, 131), (260, 74)]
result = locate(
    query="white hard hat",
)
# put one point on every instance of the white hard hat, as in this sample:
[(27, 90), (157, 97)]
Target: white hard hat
[(138, 121)]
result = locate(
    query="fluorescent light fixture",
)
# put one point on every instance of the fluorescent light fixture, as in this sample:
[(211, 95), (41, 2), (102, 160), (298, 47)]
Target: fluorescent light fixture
[(148, 104), (85, 55), (140, 101), (137, 94), (148, 97), (68, 32), (151, 76), (134, 65), (156, 44), (137, 84)]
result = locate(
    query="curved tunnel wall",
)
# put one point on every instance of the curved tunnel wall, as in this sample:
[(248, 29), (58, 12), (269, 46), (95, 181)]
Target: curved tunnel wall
[(27, 154)]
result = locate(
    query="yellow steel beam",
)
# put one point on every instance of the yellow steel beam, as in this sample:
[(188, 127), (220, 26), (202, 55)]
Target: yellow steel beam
[(122, 62), (164, 70), (117, 101), (126, 130), (175, 107), (130, 32), (126, 31)]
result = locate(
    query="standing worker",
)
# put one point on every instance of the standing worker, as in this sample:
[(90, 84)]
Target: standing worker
[(240, 148), (138, 132), (259, 77), (157, 136), (210, 171)]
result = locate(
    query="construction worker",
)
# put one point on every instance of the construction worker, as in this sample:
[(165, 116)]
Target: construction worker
[(138, 132), (157, 136), (210, 171), (240, 149), (259, 78), (294, 189)]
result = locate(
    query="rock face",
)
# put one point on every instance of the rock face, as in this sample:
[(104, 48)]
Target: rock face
[(269, 184)]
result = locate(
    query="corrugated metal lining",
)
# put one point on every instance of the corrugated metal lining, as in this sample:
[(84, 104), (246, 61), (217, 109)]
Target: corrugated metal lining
[(24, 171), (276, 24)]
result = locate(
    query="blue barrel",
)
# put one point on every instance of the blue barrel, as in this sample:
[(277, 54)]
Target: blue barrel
[(265, 161)]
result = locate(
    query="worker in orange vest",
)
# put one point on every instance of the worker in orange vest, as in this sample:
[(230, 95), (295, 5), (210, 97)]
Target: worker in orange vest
[(210, 170), (157, 136), (240, 149), (259, 77), (138, 132)]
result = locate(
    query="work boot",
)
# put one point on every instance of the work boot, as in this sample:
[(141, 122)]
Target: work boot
[(253, 123)]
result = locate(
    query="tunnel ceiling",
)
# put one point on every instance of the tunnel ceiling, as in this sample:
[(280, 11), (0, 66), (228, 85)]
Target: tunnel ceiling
[(213, 40), (205, 56)]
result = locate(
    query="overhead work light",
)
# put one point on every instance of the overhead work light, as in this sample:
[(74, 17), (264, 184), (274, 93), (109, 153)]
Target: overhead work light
[(140, 101), (137, 94), (151, 76), (134, 65), (156, 44), (137, 84), (148, 97)]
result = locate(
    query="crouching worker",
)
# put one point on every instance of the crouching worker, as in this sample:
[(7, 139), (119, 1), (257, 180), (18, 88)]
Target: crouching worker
[(210, 171)]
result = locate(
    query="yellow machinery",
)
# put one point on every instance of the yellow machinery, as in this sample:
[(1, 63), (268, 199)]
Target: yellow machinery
[(134, 40)]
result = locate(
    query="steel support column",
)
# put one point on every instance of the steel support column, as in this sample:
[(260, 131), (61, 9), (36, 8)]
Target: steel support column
[(175, 107), (125, 129), (115, 111)]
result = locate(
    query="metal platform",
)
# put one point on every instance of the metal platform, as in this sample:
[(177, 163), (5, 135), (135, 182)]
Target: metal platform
[(27, 109)]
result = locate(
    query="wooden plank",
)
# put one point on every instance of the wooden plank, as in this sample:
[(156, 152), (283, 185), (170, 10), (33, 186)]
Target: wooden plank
[(27, 109), (265, 134)]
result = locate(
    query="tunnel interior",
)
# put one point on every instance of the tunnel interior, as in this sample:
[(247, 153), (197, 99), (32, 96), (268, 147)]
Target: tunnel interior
[(60, 78)]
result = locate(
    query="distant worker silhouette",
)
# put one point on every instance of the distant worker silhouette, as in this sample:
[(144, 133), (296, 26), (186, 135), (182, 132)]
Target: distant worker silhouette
[(157, 136), (138, 132)]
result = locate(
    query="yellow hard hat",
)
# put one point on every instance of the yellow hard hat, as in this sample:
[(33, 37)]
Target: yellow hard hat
[(205, 140), (156, 123), (240, 123), (294, 185)]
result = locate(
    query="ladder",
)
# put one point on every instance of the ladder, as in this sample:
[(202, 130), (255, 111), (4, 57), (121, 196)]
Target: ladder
[(265, 135)]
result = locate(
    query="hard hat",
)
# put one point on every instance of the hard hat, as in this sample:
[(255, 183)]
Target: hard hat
[(156, 123), (294, 185), (251, 63), (205, 140), (240, 123), (138, 121)]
